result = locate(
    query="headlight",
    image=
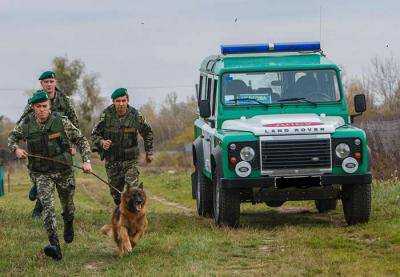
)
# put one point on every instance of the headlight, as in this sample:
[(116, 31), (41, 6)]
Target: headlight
[(247, 153), (243, 169), (350, 165), (342, 150)]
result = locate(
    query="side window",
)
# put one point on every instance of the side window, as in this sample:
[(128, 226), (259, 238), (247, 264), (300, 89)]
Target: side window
[(199, 88), (203, 94), (209, 82), (214, 97)]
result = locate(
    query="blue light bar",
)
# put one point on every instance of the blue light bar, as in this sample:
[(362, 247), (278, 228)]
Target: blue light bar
[(271, 47)]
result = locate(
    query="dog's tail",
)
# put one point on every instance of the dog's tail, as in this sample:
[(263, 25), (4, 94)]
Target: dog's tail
[(107, 230)]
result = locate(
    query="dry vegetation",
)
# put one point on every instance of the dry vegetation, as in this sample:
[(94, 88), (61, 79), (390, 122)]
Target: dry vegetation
[(381, 121)]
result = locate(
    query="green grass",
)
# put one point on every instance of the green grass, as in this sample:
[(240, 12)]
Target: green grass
[(269, 241)]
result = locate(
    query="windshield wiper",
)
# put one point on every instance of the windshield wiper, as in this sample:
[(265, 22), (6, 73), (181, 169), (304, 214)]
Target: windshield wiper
[(297, 99), (251, 99)]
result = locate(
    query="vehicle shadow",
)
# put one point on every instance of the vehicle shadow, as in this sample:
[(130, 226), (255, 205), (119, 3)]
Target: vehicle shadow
[(271, 219)]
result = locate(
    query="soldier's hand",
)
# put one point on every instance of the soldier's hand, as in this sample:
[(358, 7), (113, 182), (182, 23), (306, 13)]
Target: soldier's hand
[(87, 167), (21, 153), (106, 143), (149, 158), (72, 151)]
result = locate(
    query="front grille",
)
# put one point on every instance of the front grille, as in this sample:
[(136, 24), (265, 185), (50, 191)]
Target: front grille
[(295, 154)]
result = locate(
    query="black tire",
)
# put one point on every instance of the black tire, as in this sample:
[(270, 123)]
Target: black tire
[(204, 194), (325, 205), (226, 203), (193, 178), (274, 203), (356, 201)]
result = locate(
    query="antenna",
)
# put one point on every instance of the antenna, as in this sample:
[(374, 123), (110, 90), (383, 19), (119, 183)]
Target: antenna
[(320, 24)]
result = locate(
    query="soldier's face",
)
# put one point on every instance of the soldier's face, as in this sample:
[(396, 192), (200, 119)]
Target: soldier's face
[(121, 104), (49, 85), (42, 110)]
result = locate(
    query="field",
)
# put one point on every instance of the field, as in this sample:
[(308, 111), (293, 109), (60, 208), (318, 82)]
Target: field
[(291, 240)]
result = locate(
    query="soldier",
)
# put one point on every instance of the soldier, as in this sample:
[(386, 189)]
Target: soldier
[(115, 138), (50, 135), (61, 104)]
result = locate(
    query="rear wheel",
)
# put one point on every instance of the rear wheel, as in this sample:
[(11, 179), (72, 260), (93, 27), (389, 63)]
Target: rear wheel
[(356, 201), (204, 194), (325, 205), (226, 203), (193, 178)]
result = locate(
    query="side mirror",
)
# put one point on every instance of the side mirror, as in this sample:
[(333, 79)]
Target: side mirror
[(204, 108), (360, 105)]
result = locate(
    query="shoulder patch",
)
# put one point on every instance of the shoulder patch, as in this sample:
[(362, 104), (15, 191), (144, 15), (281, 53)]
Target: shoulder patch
[(102, 116)]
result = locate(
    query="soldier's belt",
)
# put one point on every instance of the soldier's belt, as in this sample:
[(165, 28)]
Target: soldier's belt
[(124, 130)]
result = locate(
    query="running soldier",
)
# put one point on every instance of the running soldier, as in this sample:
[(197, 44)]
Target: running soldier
[(61, 104), (50, 135), (115, 138)]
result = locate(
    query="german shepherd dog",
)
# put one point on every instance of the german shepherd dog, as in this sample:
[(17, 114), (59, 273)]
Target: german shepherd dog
[(129, 220)]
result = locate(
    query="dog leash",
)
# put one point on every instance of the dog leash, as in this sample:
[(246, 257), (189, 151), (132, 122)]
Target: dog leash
[(76, 166)]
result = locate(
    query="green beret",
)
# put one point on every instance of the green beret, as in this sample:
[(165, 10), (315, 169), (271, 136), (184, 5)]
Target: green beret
[(47, 75), (38, 97), (118, 93)]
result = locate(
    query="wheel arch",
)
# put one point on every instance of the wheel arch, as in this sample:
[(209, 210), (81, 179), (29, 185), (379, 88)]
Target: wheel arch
[(197, 150), (216, 158)]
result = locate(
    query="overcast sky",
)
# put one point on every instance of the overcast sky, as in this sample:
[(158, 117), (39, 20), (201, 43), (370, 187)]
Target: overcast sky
[(144, 44)]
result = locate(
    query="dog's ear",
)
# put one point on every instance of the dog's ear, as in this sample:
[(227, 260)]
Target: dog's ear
[(140, 185)]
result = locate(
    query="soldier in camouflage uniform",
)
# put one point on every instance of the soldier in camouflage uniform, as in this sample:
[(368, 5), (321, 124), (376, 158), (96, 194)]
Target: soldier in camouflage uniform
[(115, 138), (61, 104), (50, 135)]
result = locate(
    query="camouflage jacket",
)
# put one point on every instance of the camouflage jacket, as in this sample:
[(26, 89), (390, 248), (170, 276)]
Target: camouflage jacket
[(71, 134), (123, 134), (61, 104)]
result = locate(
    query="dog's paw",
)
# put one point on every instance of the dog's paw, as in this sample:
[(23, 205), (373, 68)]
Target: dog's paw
[(128, 248), (107, 230)]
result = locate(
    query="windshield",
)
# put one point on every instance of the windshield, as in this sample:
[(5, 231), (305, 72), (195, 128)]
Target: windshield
[(308, 86)]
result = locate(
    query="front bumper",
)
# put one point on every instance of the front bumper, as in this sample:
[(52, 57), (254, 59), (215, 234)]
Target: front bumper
[(266, 182)]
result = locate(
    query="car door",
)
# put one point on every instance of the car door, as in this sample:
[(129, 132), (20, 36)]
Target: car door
[(208, 129)]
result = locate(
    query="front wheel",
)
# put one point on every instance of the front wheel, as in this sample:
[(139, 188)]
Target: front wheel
[(356, 201), (226, 203)]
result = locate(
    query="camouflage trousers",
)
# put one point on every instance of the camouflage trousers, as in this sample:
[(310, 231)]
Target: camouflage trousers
[(120, 174), (46, 183)]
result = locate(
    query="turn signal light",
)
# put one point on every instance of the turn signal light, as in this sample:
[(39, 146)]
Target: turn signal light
[(357, 156), (233, 161)]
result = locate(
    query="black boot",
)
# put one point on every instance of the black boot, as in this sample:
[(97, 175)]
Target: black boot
[(37, 211), (33, 193), (117, 199), (53, 249), (69, 230)]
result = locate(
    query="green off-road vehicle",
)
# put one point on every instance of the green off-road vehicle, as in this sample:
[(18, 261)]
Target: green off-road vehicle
[(274, 126)]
